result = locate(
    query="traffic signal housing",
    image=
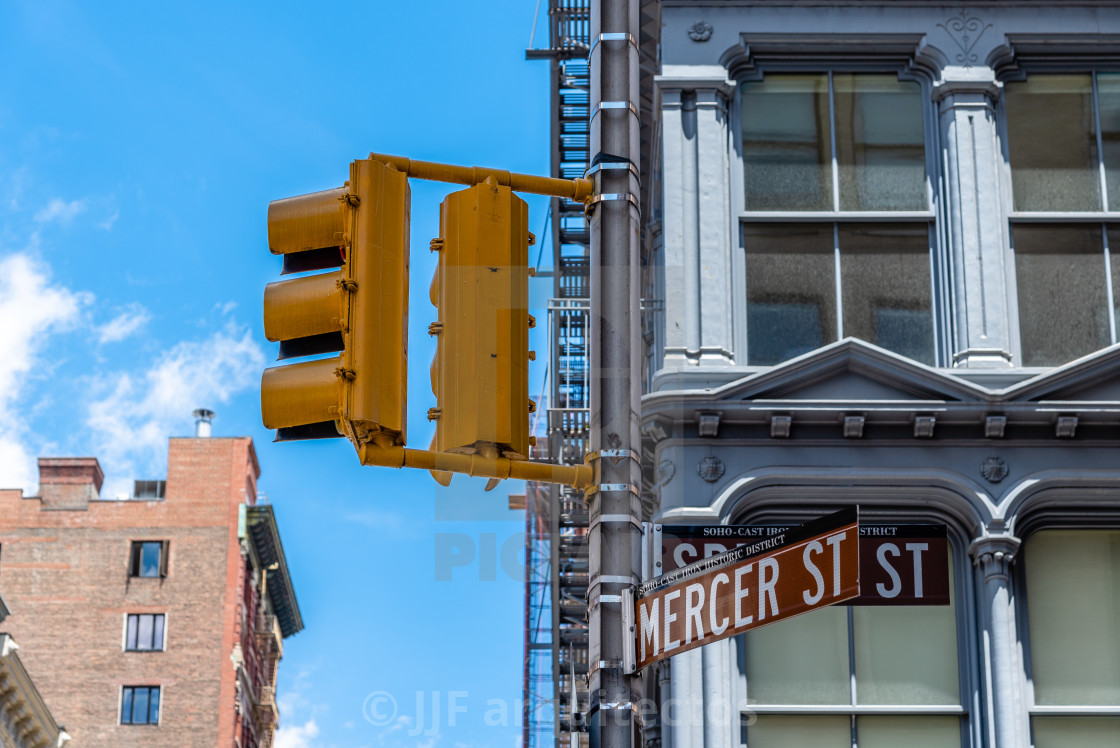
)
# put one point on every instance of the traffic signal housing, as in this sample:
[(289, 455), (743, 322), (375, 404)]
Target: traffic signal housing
[(358, 308), (480, 373)]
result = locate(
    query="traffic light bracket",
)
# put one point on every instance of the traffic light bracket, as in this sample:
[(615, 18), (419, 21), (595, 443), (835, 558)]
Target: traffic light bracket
[(299, 395)]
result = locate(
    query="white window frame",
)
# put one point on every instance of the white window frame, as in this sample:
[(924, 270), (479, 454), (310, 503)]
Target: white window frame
[(835, 217), (1022, 622), (1101, 218)]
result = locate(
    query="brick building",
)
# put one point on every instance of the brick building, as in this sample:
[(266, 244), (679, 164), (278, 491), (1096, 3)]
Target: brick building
[(155, 621)]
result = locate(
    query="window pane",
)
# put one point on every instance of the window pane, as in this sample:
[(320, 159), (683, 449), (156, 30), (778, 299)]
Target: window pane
[(149, 559), (140, 706), (907, 654), (884, 274), (130, 639), (1076, 732), (880, 142), (153, 711), (782, 731), (1073, 605), (1063, 307), (912, 732), (787, 151), (791, 291), (126, 706), (144, 640), (1052, 141), (1108, 98), (803, 660), (157, 641)]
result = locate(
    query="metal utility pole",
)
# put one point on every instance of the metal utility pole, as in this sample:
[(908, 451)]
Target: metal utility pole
[(614, 536)]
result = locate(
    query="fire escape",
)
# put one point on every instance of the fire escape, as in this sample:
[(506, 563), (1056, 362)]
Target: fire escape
[(556, 665)]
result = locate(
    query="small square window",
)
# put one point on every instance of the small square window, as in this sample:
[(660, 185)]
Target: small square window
[(140, 705), (144, 632), (148, 559)]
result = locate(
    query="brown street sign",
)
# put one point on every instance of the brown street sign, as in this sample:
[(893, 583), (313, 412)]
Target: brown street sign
[(770, 579), (900, 564)]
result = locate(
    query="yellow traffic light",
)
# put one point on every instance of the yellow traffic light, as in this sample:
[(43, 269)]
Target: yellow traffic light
[(359, 310), (480, 373)]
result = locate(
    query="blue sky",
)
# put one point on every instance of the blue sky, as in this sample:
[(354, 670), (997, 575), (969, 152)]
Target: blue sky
[(140, 145)]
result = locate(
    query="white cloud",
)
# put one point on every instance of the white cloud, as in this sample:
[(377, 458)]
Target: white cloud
[(110, 219), (124, 324), (135, 414), (299, 736), (32, 308), (61, 211)]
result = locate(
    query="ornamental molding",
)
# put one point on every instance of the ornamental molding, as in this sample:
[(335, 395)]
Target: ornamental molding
[(965, 30), (993, 555), (666, 469)]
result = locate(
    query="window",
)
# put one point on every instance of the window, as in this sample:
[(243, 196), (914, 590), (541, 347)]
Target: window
[(1063, 136), (837, 217), (144, 632), (1073, 604), (140, 705), (148, 559), (856, 677), (151, 490)]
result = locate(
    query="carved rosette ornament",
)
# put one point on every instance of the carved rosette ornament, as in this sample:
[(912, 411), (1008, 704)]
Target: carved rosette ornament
[(701, 31), (993, 469), (710, 468)]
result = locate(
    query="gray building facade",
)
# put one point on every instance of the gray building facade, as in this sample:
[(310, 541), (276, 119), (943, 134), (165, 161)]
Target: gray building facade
[(879, 271)]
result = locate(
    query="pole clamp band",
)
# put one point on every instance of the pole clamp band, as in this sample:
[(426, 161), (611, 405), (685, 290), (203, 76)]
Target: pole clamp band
[(606, 196), (613, 105), (590, 490), (612, 36), (614, 166)]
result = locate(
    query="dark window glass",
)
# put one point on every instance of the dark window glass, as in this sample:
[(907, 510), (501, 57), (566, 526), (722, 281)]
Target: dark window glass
[(786, 143), (791, 291), (792, 286), (1108, 100), (788, 130), (884, 273), (144, 632), (880, 142), (140, 705), (1063, 304), (1052, 141)]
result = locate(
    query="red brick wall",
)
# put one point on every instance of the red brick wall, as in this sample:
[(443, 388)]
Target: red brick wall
[(64, 574)]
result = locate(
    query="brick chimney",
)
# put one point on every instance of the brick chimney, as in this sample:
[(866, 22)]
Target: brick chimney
[(69, 482)]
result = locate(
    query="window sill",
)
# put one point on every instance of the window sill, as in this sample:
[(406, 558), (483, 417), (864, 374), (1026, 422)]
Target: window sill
[(857, 709), (1064, 217), (822, 216)]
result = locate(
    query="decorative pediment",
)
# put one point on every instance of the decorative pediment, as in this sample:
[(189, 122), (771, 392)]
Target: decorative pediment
[(852, 370), (1093, 378)]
